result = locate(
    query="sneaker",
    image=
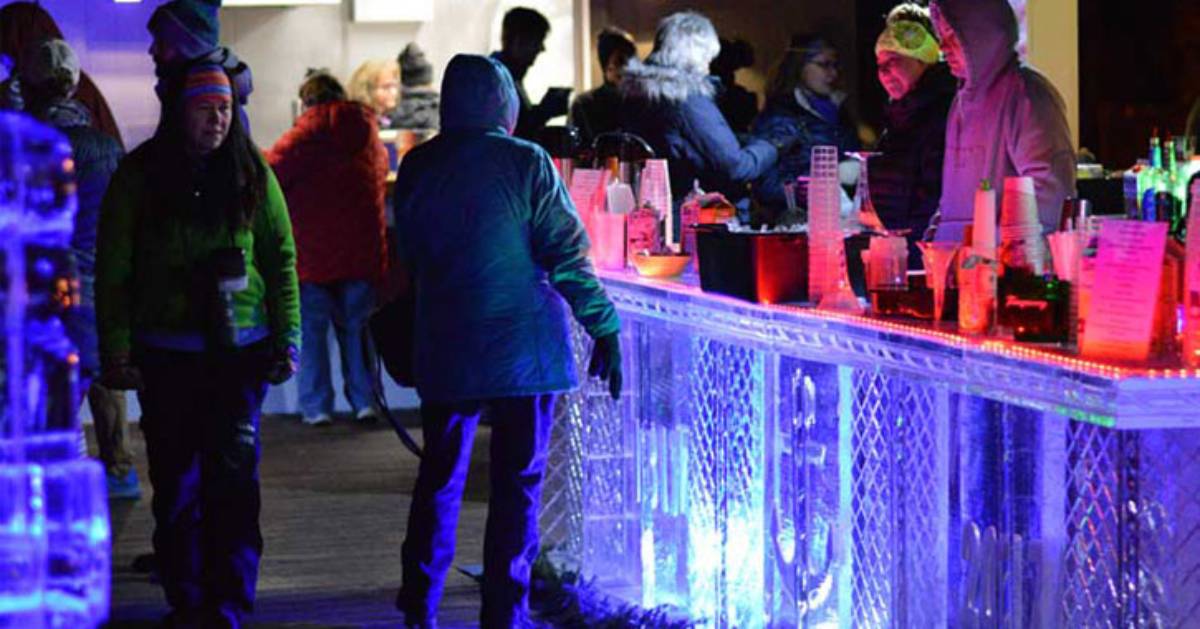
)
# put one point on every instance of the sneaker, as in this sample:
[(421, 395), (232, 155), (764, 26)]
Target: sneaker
[(322, 419), (123, 487), (367, 415)]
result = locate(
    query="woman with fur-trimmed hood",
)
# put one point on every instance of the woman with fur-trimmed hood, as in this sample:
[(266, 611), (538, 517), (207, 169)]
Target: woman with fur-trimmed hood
[(669, 103)]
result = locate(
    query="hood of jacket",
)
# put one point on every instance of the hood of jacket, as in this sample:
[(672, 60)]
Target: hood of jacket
[(988, 32), (346, 124), (478, 93), (21, 24), (663, 83)]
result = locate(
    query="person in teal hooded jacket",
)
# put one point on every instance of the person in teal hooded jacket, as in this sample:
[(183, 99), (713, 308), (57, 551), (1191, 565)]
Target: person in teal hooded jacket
[(498, 255)]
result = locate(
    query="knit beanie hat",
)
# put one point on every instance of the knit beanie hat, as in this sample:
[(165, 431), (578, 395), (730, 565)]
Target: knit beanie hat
[(188, 26), (207, 81), (52, 65), (415, 71), (910, 39)]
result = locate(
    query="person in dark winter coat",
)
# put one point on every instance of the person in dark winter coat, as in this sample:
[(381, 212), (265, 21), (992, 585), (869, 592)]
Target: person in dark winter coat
[(49, 75), (418, 108), (803, 94), (906, 177), (522, 40), (669, 103), (25, 23), (333, 170), (499, 262), (598, 111)]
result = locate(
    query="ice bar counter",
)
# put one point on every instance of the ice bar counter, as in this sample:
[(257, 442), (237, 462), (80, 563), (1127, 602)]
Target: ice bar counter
[(772, 466)]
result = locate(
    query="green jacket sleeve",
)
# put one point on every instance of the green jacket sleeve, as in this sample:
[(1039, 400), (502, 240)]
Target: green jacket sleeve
[(560, 246), (114, 262), (275, 253)]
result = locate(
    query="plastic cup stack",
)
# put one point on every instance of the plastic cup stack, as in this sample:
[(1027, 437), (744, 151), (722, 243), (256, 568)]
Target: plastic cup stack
[(1021, 243), (1065, 248), (824, 227)]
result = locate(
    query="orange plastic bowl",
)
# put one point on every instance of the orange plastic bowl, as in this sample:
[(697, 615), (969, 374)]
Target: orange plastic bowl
[(661, 266)]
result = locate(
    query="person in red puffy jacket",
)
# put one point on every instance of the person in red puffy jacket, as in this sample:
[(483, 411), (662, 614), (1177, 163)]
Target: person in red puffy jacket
[(333, 169)]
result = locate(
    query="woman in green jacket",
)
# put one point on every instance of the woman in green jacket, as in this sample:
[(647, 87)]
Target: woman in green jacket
[(197, 308)]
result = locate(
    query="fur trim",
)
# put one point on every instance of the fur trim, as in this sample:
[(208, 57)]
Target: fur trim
[(655, 83)]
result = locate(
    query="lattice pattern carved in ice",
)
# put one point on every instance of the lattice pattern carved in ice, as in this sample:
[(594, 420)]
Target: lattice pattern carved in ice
[(1168, 529), (561, 516), (1093, 593), (611, 532), (896, 524), (725, 493)]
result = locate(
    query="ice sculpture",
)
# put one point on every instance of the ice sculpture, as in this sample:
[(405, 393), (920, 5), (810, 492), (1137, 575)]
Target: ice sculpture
[(772, 467), (54, 528)]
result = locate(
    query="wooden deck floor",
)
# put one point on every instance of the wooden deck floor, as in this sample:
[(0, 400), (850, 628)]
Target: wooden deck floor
[(335, 501)]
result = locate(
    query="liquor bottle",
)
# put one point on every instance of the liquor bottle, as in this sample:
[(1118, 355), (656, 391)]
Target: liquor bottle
[(1172, 188), (1148, 180), (1131, 190), (641, 232)]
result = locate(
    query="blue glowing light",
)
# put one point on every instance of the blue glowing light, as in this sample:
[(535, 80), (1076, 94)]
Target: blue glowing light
[(55, 548)]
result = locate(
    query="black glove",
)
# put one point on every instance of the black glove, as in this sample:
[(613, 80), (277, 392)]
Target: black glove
[(606, 362), (283, 365), (119, 374)]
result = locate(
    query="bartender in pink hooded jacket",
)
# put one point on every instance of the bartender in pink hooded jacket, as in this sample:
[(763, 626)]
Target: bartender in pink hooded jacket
[(1006, 120)]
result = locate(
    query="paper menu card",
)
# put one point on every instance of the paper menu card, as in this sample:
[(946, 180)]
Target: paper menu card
[(1129, 263), (587, 192), (587, 189)]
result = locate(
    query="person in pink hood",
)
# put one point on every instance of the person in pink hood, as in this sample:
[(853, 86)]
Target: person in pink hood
[(1006, 120)]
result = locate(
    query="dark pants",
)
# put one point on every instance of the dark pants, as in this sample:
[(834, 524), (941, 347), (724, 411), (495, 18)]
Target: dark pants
[(520, 439), (200, 418)]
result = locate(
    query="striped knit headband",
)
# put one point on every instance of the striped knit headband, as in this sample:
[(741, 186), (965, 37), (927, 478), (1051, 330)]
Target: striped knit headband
[(207, 82)]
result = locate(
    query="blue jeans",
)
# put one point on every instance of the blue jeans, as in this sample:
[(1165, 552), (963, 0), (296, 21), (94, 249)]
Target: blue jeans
[(519, 445), (347, 305), (200, 416)]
